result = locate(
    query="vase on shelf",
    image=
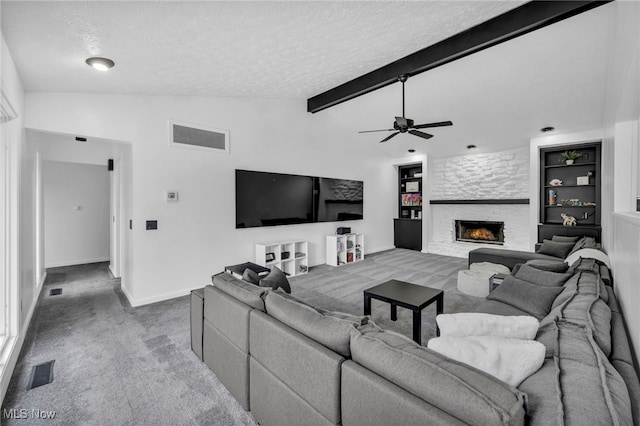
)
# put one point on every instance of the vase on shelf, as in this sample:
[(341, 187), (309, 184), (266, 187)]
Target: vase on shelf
[(569, 162)]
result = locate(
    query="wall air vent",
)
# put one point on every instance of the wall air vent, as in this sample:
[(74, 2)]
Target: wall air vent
[(186, 135), (7, 112)]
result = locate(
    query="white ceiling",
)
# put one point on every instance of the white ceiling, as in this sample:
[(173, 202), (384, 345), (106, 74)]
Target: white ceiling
[(497, 98)]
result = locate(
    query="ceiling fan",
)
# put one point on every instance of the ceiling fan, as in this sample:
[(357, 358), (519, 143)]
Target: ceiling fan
[(405, 125)]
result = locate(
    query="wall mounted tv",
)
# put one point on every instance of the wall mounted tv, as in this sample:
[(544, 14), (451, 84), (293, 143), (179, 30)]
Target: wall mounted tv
[(269, 199)]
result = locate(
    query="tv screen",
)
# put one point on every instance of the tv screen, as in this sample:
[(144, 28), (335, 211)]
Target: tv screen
[(269, 199)]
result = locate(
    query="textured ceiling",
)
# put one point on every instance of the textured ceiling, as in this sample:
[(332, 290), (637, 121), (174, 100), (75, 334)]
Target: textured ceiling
[(498, 98), (257, 49)]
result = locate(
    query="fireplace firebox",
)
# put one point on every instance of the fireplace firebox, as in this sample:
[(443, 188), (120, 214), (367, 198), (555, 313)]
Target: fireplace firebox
[(479, 231)]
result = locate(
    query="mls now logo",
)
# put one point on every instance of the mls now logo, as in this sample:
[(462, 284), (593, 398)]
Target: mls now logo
[(23, 413)]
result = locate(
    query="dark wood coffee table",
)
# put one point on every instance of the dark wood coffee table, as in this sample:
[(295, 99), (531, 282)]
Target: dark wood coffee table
[(407, 295)]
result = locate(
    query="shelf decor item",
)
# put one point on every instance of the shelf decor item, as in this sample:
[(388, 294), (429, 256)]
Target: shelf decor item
[(552, 197), (569, 157), (568, 220), (582, 180), (413, 186), (555, 182)]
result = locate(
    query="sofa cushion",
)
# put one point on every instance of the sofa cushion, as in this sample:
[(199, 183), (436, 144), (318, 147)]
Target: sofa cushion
[(331, 329), (580, 303), (275, 280), (464, 392), (241, 290), (564, 239), (554, 248), (541, 277), (534, 299), (549, 265), (577, 384)]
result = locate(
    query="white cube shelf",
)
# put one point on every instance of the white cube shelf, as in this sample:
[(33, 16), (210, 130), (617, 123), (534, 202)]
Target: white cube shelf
[(343, 249), (291, 257)]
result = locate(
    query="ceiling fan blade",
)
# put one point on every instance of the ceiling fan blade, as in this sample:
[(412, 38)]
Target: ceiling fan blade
[(371, 131), (438, 124), (401, 121), (421, 134), (389, 137)]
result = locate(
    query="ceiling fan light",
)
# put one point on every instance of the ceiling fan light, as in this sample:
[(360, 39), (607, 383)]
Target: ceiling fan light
[(100, 64)]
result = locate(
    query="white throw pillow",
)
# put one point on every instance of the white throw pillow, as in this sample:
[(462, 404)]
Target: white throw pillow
[(510, 360), (479, 324)]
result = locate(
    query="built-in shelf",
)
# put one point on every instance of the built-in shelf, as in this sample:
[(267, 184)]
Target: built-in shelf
[(487, 201), (553, 166), (554, 199)]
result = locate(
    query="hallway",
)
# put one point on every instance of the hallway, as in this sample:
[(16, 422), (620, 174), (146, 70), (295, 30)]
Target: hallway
[(114, 364)]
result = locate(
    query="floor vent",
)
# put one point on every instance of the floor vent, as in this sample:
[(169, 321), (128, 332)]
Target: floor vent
[(55, 292), (41, 374), (199, 137)]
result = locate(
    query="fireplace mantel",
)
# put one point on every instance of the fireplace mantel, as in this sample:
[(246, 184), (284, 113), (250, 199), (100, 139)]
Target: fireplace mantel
[(486, 201)]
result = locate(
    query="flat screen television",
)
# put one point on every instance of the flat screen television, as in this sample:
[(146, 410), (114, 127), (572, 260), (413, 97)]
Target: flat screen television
[(270, 199)]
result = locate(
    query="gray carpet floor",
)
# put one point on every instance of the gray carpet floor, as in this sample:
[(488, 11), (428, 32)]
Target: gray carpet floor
[(341, 288), (117, 365)]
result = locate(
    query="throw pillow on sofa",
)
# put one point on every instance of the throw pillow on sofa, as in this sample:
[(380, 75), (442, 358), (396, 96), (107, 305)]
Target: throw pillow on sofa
[(250, 276), (564, 239), (531, 298), (276, 279), (556, 249), (510, 360), (540, 277), (480, 324), (549, 265)]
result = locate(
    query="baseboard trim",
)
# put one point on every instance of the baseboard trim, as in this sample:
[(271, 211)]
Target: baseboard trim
[(154, 299), (77, 262), (379, 249), (11, 349)]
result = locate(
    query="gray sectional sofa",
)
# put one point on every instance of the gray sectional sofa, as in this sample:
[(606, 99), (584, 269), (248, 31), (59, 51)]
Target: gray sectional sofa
[(290, 363)]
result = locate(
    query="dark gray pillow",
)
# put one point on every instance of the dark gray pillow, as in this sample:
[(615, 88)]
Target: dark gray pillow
[(554, 248), (250, 276), (549, 265), (276, 279), (532, 298), (584, 242), (540, 277), (563, 239)]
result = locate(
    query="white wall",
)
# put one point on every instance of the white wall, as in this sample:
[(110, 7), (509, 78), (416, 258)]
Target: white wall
[(76, 213), (19, 271), (621, 118), (196, 236)]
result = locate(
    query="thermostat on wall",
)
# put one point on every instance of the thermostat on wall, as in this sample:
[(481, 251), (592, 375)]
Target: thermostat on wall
[(172, 195)]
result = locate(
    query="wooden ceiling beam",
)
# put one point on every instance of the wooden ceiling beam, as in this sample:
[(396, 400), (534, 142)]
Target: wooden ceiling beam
[(514, 23)]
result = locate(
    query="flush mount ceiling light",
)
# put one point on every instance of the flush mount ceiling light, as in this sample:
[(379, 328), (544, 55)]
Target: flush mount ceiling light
[(81, 139), (471, 146), (101, 64), (547, 129), (411, 150)]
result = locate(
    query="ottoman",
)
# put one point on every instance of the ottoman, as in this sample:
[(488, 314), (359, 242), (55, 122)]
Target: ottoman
[(475, 280)]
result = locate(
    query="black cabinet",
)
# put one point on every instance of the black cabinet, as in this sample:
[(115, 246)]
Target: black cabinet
[(570, 193), (407, 230), (407, 233)]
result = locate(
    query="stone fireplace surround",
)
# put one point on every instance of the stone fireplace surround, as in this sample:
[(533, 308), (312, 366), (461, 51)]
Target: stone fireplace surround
[(486, 181), (443, 233)]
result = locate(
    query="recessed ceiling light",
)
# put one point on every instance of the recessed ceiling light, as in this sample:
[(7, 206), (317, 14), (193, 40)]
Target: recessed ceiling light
[(547, 129), (471, 146), (101, 64), (411, 150)]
